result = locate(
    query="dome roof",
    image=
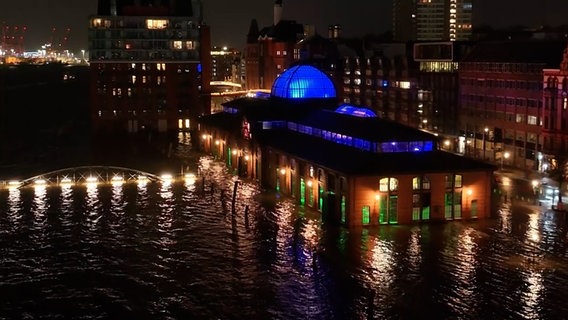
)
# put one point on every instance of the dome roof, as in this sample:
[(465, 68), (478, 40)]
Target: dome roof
[(355, 111), (303, 82)]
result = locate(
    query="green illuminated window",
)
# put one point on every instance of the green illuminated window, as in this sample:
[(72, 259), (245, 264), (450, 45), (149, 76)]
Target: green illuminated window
[(229, 158), (388, 200), (393, 209), (320, 197), (426, 213), (302, 191), (383, 210), (458, 205), (415, 214), (366, 214), (343, 210)]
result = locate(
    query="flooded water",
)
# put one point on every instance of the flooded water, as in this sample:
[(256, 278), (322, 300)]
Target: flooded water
[(177, 251)]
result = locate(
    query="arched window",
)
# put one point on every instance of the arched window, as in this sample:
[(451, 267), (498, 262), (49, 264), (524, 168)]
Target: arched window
[(453, 196), (387, 200), (421, 198)]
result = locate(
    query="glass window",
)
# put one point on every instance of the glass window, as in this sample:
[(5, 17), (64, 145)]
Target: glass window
[(448, 181), (303, 81), (425, 183), (355, 111), (366, 214), (384, 185), (458, 181), (393, 184), (156, 23), (415, 183)]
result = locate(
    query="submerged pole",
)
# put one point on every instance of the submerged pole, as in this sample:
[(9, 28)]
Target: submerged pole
[(234, 197)]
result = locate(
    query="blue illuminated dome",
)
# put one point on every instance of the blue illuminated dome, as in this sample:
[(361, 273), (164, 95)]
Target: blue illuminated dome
[(355, 111), (303, 82)]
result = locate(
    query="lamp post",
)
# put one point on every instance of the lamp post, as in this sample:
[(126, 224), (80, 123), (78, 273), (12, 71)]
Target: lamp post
[(505, 156), (485, 131), (535, 190)]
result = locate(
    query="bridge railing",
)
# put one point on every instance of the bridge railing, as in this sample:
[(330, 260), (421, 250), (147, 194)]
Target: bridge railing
[(93, 175)]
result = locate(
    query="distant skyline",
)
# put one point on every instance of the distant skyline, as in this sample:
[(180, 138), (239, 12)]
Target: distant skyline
[(229, 19)]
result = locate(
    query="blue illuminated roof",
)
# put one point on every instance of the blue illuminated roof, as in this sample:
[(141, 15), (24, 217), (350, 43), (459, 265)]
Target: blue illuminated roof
[(355, 111), (303, 82)]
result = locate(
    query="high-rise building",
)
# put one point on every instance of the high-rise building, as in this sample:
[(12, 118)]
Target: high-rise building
[(150, 65), (432, 20)]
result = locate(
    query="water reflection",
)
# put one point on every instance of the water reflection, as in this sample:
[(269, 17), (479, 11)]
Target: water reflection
[(91, 212), (40, 207), (13, 214), (178, 250), (531, 297)]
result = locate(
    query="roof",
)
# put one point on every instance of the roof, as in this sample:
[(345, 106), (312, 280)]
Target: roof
[(285, 31), (369, 128), (359, 163), (303, 81), (547, 52), (310, 113)]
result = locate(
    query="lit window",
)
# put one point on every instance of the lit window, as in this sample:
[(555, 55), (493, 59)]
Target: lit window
[(384, 185), (458, 181), (178, 45), (416, 183), (156, 23), (393, 184), (101, 23)]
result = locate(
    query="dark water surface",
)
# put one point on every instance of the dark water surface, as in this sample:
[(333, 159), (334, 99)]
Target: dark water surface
[(177, 252)]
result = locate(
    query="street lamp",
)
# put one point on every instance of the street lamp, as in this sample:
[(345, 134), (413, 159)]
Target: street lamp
[(485, 131), (535, 190), (505, 156)]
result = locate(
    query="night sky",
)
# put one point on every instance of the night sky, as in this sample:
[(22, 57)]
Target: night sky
[(229, 19)]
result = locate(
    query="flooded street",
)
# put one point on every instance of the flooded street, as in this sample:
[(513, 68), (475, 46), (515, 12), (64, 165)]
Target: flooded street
[(177, 251)]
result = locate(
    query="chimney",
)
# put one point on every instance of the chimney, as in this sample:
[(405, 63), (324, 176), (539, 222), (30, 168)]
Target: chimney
[(334, 31), (277, 11)]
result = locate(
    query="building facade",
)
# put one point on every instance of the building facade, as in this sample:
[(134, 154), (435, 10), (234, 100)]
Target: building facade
[(554, 117), (501, 101), (150, 66), (353, 167), (226, 65), (432, 20), (269, 51)]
